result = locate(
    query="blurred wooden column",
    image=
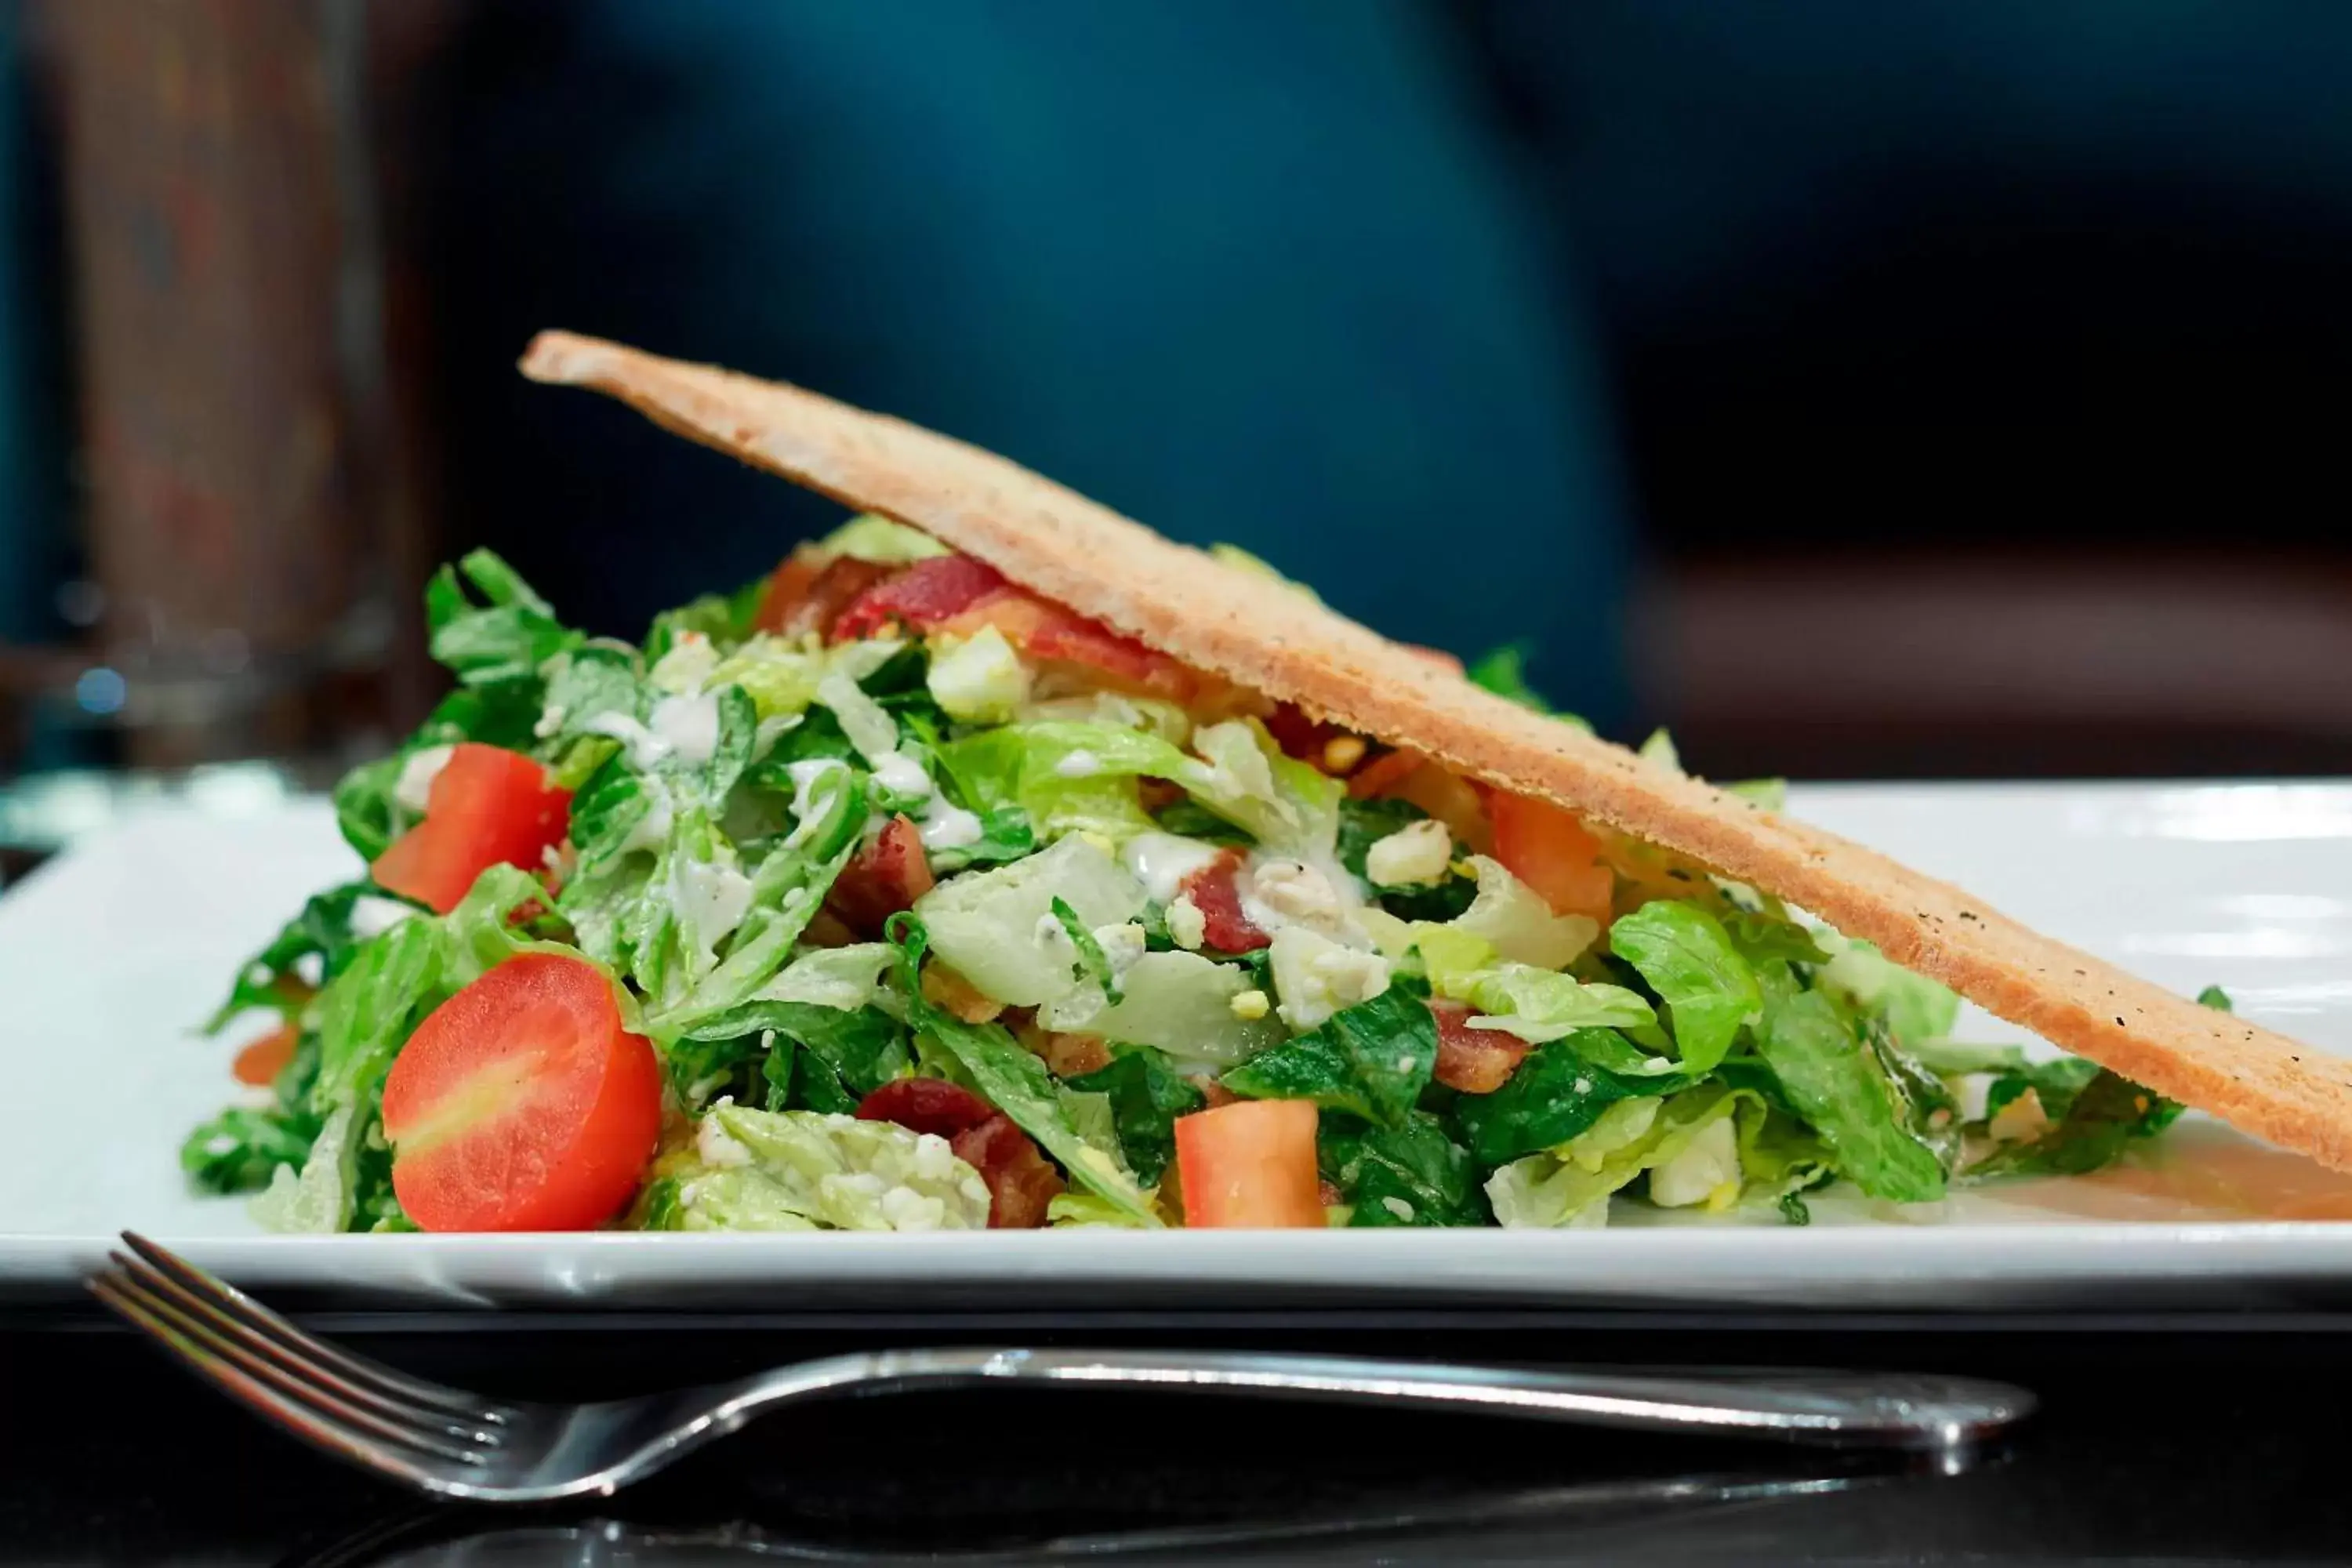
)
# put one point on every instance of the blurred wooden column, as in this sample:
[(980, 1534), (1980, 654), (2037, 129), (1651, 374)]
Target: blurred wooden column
[(229, 345)]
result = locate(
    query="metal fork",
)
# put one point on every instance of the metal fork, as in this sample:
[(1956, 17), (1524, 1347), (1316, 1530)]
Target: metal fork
[(455, 1444)]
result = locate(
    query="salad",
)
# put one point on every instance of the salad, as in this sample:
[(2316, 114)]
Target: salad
[(887, 894)]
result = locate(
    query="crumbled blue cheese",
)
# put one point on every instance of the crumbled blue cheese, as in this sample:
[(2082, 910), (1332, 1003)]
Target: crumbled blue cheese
[(1706, 1171), (1417, 853), (1316, 976), (373, 916), (1188, 928), (414, 789)]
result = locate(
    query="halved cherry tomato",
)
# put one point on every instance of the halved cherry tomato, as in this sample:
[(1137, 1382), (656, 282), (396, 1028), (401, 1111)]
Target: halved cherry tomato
[(489, 807), (263, 1059), (887, 876), (521, 1103), (921, 596), (1250, 1163), (1217, 896), (925, 1105), (1476, 1061), (808, 591), (1548, 848), (1021, 1181)]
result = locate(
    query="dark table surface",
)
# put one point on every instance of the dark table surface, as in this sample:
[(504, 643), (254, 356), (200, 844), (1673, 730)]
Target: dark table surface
[(2218, 1441)]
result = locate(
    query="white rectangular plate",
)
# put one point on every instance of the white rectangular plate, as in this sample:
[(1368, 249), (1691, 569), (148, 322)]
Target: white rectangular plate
[(110, 955)]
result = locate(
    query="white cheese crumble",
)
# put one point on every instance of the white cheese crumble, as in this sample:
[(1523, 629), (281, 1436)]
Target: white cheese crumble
[(1708, 1164), (1188, 928), (413, 788), (715, 1145), (1417, 853), (1317, 977), (1078, 764), (372, 916), (1399, 1208)]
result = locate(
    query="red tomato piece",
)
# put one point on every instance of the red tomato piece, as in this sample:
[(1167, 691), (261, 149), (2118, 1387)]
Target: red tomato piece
[(887, 876), (1215, 894), (808, 591), (522, 1103), (1250, 1163), (263, 1059), (1299, 735), (921, 596), (1383, 773), (1021, 1181), (1049, 634), (1548, 848), (925, 1105), (489, 807), (1476, 1061)]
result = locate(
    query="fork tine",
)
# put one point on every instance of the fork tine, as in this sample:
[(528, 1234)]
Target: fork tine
[(355, 1369), (227, 1326), (216, 1353), (306, 1423)]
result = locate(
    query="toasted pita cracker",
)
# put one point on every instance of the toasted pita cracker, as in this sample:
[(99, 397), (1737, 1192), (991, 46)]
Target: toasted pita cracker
[(1254, 631)]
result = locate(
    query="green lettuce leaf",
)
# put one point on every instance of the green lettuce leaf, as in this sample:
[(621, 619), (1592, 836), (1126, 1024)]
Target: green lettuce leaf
[(1009, 1078), (1914, 1006), (1371, 1060), (323, 930), (500, 638), (1557, 1094), (1409, 1174), (1146, 1097), (1691, 962), (1841, 1087)]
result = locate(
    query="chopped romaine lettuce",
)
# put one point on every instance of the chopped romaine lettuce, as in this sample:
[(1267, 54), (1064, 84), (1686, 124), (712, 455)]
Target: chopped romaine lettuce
[(1708, 988), (1371, 1060), (997, 927)]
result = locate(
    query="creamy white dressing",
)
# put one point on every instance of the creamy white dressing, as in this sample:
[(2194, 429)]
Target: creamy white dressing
[(414, 789), (713, 898), (901, 774), (1161, 861), (652, 830), (1078, 764), (687, 726), (644, 748), (804, 774), (946, 826)]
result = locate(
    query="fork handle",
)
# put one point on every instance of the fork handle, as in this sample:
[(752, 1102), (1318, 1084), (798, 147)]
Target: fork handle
[(1834, 1409)]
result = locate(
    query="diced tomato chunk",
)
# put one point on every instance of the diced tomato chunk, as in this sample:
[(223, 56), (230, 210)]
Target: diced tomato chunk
[(808, 591), (489, 807), (920, 596), (925, 1105), (1216, 894), (522, 1103), (262, 1060), (1383, 773), (887, 876), (1548, 848), (1476, 1061), (1021, 1181), (1250, 1163), (1299, 735)]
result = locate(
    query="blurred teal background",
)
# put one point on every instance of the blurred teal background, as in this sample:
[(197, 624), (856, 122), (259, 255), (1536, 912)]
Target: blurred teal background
[(1866, 389)]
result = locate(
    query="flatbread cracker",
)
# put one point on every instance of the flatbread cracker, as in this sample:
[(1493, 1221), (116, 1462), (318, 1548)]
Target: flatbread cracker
[(1254, 631)]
